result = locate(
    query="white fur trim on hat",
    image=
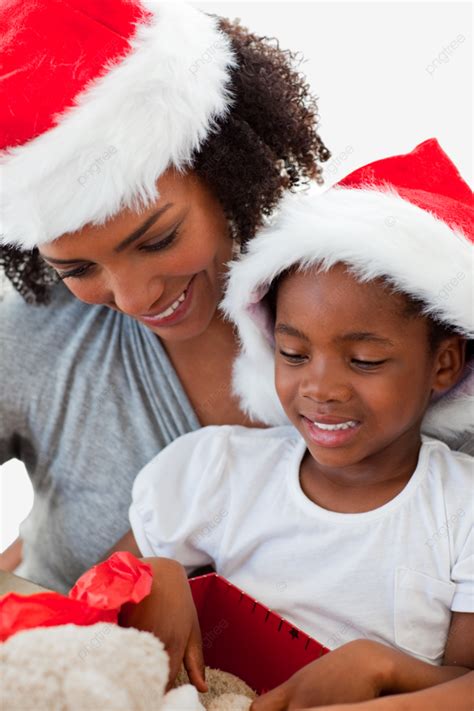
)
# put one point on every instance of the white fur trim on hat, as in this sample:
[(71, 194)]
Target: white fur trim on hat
[(377, 234), (150, 111)]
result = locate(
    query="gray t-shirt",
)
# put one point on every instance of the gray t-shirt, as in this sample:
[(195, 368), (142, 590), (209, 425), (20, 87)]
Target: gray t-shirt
[(87, 397)]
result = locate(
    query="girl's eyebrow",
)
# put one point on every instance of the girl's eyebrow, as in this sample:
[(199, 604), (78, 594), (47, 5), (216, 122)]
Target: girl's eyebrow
[(287, 330), (136, 234), (366, 336)]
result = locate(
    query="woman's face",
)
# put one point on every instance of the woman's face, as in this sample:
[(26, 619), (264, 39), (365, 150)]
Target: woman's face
[(163, 266)]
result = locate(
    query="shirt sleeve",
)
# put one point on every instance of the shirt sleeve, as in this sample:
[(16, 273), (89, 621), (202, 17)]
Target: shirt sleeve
[(179, 499), (14, 380), (463, 575)]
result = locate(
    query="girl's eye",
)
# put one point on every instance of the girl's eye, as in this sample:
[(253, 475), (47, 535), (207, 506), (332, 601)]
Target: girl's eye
[(162, 244), (367, 364), (292, 357), (80, 271)]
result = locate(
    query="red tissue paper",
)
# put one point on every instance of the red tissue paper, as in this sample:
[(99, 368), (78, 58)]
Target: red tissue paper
[(97, 596)]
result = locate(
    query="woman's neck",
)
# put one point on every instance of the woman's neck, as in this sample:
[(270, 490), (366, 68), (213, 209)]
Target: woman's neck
[(204, 367)]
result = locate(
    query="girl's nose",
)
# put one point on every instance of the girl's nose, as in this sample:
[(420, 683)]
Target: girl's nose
[(325, 381)]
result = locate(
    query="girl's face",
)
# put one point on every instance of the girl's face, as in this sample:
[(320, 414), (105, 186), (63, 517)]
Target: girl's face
[(353, 373), (163, 267)]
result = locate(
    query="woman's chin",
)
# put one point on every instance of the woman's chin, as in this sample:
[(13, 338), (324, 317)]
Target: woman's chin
[(191, 319), (191, 327)]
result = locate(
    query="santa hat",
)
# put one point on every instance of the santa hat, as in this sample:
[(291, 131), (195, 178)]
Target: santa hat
[(100, 98), (408, 218)]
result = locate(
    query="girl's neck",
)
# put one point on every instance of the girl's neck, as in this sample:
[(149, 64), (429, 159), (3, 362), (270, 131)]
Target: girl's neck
[(366, 485)]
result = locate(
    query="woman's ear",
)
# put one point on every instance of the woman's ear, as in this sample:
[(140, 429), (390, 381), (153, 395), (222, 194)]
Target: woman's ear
[(449, 363)]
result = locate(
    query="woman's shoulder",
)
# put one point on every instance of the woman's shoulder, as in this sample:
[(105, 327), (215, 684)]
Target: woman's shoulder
[(37, 338), (44, 329), (18, 317)]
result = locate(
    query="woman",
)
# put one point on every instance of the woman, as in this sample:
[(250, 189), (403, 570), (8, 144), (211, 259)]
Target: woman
[(186, 133)]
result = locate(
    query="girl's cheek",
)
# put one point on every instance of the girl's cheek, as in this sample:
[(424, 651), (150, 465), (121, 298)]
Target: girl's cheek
[(287, 387)]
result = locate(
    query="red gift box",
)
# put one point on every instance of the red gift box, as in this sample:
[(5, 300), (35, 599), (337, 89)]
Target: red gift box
[(239, 634), (245, 638)]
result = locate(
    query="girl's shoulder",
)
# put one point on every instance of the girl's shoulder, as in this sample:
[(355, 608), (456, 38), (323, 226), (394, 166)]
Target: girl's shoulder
[(450, 475), (446, 461), (246, 440), (230, 449)]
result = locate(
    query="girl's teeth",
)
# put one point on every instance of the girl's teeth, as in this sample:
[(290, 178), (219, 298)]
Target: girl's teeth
[(340, 426), (172, 308)]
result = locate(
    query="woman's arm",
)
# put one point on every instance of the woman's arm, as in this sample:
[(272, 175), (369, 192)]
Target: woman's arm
[(126, 543), (11, 556)]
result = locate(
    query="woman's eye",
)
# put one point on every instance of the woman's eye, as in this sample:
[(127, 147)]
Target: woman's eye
[(161, 244), (367, 364), (149, 247), (79, 272)]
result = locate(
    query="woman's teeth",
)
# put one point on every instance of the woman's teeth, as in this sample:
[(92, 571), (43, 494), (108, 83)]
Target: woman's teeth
[(172, 308), (341, 426)]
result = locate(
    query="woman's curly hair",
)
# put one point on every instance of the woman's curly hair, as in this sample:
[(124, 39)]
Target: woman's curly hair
[(266, 144)]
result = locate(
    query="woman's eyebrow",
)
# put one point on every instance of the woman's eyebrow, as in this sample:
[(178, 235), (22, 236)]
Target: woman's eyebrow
[(136, 234)]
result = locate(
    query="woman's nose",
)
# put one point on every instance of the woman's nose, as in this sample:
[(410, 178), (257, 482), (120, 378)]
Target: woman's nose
[(325, 381), (135, 296)]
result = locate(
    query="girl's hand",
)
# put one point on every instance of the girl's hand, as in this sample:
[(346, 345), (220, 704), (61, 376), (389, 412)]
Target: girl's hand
[(357, 671), (169, 613)]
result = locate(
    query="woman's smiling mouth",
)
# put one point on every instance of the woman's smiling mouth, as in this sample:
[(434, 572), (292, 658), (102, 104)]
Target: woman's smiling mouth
[(173, 313)]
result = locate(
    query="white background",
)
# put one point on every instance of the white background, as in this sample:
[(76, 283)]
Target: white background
[(386, 78)]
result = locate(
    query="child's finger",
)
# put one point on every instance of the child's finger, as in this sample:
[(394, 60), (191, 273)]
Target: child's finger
[(275, 700), (176, 660), (194, 660)]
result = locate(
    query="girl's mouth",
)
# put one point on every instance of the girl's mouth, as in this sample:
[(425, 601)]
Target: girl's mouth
[(331, 434)]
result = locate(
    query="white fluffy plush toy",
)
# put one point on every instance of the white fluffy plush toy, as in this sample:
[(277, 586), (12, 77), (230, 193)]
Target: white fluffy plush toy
[(106, 667)]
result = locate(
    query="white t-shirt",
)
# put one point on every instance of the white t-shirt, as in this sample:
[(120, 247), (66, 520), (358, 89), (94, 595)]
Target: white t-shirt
[(231, 496)]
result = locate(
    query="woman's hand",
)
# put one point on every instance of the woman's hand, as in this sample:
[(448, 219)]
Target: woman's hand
[(11, 556), (357, 671), (169, 613)]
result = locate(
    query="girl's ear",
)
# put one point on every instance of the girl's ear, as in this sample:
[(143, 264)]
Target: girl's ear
[(449, 363)]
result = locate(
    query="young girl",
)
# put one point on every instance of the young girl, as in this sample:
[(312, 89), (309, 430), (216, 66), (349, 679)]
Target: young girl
[(350, 517)]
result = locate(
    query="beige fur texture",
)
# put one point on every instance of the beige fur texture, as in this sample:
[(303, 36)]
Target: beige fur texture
[(106, 667), (226, 691)]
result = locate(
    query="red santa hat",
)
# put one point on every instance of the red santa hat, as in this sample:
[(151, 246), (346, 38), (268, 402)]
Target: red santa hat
[(98, 100), (408, 218)]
